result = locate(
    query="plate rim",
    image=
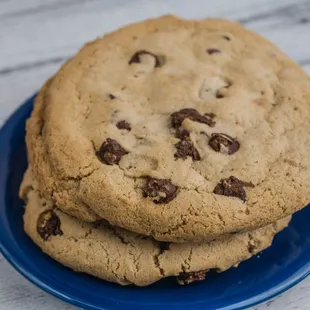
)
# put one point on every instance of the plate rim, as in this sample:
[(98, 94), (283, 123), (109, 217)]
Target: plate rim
[(18, 264)]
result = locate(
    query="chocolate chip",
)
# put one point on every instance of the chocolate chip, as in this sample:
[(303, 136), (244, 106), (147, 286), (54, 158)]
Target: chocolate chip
[(232, 187), (123, 125), (227, 38), (111, 152), (182, 134), (111, 96), (159, 59), (161, 190), (223, 143), (48, 224), (211, 51), (178, 117), (186, 148), (190, 277)]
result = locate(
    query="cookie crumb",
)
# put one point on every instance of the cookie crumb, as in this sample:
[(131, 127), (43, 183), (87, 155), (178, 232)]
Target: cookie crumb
[(185, 278)]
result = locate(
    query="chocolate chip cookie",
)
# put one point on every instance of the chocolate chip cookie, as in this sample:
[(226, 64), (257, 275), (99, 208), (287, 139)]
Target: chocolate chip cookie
[(124, 257), (168, 129)]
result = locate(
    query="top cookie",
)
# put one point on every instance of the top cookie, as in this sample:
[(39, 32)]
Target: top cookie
[(183, 130)]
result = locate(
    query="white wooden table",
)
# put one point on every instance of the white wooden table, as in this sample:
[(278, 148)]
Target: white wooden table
[(36, 36)]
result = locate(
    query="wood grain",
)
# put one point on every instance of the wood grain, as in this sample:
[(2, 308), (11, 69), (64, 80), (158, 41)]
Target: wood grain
[(37, 36)]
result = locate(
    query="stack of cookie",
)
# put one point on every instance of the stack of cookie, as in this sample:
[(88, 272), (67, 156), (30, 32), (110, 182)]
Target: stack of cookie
[(167, 148)]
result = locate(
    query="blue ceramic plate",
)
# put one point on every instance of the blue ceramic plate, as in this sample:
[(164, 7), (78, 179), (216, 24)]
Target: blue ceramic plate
[(260, 278)]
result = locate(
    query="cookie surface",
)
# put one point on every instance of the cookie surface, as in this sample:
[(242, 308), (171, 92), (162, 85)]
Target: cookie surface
[(116, 255), (182, 130)]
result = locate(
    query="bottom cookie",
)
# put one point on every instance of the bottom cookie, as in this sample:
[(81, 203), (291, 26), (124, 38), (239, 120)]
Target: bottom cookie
[(120, 256)]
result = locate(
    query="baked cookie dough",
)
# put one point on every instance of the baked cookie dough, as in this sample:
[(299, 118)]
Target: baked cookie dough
[(178, 129), (116, 255)]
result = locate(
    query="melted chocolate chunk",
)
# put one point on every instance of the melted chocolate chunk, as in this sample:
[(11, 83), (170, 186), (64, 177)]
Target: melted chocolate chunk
[(161, 190), (48, 224), (223, 143), (123, 125), (159, 60), (111, 152), (232, 187), (178, 117), (211, 51), (227, 38), (111, 96), (190, 277), (186, 148)]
